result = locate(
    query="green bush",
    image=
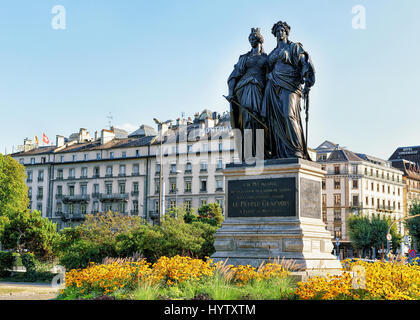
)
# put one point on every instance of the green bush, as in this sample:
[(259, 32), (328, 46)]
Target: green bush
[(6, 262), (211, 213), (93, 240), (81, 253), (112, 236), (29, 262)]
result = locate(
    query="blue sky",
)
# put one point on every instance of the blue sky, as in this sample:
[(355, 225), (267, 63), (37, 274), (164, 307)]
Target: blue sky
[(145, 59)]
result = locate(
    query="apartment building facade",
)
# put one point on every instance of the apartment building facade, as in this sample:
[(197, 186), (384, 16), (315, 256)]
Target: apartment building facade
[(120, 172), (357, 184), (194, 156)]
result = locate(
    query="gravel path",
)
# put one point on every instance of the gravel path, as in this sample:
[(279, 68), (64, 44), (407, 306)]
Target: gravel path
[(27, 291)]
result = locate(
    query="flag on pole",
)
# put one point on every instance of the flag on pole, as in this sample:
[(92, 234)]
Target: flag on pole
[(45, 139), (36, 140)]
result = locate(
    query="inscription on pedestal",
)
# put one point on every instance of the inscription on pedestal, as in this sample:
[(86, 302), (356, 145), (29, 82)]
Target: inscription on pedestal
[(262, 197), (310, 198)]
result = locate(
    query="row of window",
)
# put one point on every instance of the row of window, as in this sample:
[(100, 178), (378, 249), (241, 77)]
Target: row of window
[(112, 155), (73, 208), (108, 189), (355, 186), (187, 203), (97, 172), (188, 185), (188, 166), (75, 158), (380, 203), (368, 172)]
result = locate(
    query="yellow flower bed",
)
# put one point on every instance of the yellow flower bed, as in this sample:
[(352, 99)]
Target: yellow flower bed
[(378, 280), (179, 269), (110, 277)]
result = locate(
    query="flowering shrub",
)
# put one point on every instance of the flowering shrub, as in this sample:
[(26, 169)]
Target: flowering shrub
[(381, 280), (117, 274), (179, 269), (106, 278)]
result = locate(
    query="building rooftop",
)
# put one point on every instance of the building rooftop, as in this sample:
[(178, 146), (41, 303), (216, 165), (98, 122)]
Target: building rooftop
[(410, 169), (407, 153)]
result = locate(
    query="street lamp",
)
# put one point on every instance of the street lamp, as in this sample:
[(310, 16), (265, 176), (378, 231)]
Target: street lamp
[(388, 235), (161, 206)]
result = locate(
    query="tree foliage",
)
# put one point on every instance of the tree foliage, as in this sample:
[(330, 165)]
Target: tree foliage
[(13, 189), (413, 225), (366, 233), (28, 231), (114, 235)]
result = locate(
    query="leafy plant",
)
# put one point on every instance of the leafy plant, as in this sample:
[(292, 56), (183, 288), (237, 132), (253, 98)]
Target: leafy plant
[(29, 231), (413, 225), (6, 262)]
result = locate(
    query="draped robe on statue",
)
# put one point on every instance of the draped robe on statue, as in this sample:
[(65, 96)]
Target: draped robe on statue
[(250, 76), (282, 100)]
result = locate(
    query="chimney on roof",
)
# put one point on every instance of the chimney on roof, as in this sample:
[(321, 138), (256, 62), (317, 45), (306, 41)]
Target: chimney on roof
[(59, 141), (27, 144), (83, 135), (96, 135), (107, 136), (209, 123)]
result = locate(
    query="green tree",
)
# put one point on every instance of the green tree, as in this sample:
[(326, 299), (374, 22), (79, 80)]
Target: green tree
[(359, 232), (211, 213), (13, 189), (379, 231), (366, 233), (413, 225), (95, 239), (30, 231)]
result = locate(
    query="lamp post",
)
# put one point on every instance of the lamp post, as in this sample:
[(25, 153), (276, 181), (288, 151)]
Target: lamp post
[(160, 125), (388, 235)]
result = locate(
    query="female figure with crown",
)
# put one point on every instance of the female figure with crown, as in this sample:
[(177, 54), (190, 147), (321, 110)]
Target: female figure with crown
[(289, 68), (246, 90)]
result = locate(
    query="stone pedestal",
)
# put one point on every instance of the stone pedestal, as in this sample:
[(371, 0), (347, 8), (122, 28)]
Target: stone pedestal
[(274, 211)]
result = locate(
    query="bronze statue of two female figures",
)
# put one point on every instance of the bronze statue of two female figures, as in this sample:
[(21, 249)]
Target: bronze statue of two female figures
[(265, 93)]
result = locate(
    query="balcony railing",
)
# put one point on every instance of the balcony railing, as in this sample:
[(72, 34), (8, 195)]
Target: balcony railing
[(386, 208), (39, 197), (114, 197), (40, 179), (135, 193), (59, 196), (76, 198), (154, 214), (219, 189), (135, 212), (76, 216)]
